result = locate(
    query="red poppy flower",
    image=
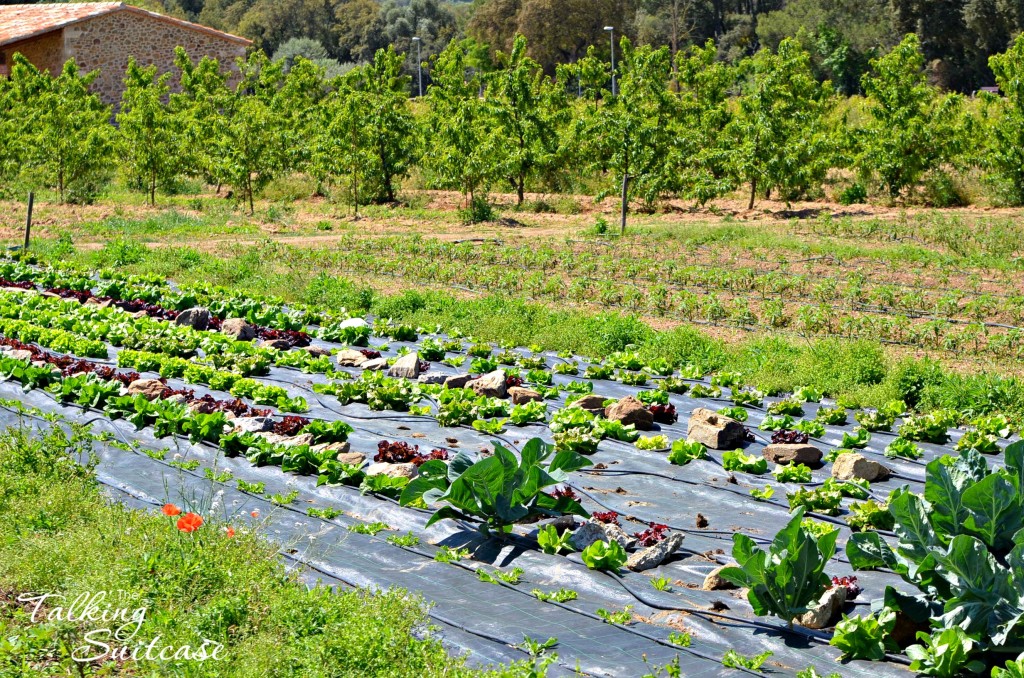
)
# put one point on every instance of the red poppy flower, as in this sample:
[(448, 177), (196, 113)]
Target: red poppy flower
[(230, 531), (255, 513), (190, 522), (170, 510)]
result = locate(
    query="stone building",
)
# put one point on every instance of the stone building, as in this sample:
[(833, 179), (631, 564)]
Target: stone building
[(102, 35)]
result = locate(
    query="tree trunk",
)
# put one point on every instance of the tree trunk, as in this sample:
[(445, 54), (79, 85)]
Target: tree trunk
[(355, 193), (520, 192), (753, 193)]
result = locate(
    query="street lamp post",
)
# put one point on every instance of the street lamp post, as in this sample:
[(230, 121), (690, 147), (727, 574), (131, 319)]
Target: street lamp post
[(611, 36), (419, 64)]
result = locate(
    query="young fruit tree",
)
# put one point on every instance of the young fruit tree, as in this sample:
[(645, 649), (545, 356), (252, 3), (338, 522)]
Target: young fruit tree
[(1004, 152), (150, 138), (390, 128), (701, 159), (528, 111), (629, 135), (197, 110), (461, 155), (911, 128), (780, 133), (341, 148), (68, 133)]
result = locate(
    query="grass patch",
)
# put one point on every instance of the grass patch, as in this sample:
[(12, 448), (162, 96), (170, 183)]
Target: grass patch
[(58, 534)]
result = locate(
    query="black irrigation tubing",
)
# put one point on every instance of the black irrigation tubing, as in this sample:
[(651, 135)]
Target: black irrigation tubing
[(642, 598), (693, 531)]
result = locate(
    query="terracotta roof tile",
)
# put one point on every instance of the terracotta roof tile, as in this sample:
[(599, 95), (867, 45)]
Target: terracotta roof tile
[(18, 22)]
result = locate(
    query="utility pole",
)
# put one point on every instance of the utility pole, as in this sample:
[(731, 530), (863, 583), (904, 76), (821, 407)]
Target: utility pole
[(611, 36), (419, 63)]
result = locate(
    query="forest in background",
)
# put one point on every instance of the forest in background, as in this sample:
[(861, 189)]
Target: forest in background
[(957, 36)]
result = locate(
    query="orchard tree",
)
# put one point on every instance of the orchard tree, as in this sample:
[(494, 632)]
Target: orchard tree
[(149, 139), (11, 143), (702, 156), (780, 134), (68, 136), (251, 143), (198, 110), (461, 151), (632, 133), (342, 147), (910, 129), (301, 94), (389, 125), (367, 133), (1004, 152), (526, 110)]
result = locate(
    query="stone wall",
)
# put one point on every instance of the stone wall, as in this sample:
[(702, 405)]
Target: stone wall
[(45, 52), (105, 43)]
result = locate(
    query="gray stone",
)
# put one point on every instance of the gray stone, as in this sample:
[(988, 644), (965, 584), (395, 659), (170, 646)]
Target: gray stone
[(253, 424), (652, 556), (491, 385), (828, 607), (593, 531), (391, 470), (351, 458), (406, 367), (856, 465), (20, 354), (198, 318), (432, 378), (277, 344), (151, 388), (376, 364), (93, 301), (714, 431), (457, 381), (792, 453), (350, 358), (238, 329), (522, 395), (20, 290), (714, 581), (317, 352), (591, 403), (629, 410), (338, 448)]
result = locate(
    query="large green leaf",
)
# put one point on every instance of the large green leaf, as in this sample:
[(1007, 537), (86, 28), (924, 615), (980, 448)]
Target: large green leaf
[(944, 494), (915, 533), (983, 596), (868, 551), (566, 462), (1014, 458), (995, 515)]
